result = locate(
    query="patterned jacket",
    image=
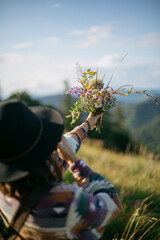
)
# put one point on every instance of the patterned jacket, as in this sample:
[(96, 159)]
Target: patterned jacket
[(80, 211)]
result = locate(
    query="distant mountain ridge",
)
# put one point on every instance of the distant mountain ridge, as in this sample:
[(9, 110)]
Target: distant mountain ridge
[(143, 120), (55, 100)]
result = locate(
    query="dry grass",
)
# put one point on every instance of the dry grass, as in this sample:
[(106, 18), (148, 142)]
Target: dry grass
[(136, 177), (124, 170)]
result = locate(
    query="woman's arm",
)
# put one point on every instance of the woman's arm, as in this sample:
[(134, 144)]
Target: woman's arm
[(91, 181), (94, 207), (76, 136)]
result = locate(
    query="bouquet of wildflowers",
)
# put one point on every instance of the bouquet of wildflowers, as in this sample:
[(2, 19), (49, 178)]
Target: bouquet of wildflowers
[(95, 97)]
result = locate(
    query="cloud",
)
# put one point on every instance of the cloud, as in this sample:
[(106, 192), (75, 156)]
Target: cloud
[(56, 5), (108, 61), (46, 42), (156, 73), (36, 73), (92, 36), (10, 58), (43, 75), (150, 40), (23, 45), (50, 41), (15, 58)]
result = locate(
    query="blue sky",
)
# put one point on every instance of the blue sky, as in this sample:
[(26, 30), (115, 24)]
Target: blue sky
[(42, 40)]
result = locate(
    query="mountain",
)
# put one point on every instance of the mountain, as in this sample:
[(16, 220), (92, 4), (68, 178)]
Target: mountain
[(55, 100), (143, 120), (149, 133)]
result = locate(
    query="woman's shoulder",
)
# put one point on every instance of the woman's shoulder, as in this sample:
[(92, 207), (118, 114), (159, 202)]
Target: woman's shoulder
[(64, 187), (57, 201), (61, 193)]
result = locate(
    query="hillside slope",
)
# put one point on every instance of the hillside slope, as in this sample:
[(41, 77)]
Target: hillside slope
[(143, 120)]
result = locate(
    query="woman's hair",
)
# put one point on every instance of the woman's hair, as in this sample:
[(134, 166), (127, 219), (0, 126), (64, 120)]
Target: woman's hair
[(48, 173)]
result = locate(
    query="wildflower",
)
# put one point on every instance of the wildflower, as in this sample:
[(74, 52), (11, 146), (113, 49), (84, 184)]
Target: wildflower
[(95, 96), (100, 98), (95, 82), (69, 91), (92, 73), (84, 80), (102, 91), (138, 203), (74, 114), (94, 91), (98, 104), (90, 90)]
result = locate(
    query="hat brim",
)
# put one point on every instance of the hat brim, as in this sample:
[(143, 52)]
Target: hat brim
[(53, 126)]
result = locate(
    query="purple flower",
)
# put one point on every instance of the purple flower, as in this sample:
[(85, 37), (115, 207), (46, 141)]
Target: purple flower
[(102, 91), (89, 91), (138, 203), (111, 89), (100, 99)]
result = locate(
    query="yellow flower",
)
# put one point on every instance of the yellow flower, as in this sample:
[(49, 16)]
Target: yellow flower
[(89, 87), (94, 73), (84, 80)]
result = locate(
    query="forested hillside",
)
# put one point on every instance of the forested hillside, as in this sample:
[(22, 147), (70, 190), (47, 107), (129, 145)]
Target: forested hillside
[(143, 120)]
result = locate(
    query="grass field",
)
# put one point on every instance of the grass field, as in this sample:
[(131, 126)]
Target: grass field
[(136, 177)]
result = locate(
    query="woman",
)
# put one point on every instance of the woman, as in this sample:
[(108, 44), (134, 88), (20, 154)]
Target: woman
[(34, 202)]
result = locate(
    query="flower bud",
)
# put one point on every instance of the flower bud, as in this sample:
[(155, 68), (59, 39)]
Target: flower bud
[(94, 83)]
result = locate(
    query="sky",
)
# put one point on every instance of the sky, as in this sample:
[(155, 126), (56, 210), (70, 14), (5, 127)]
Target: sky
[(42, 41)]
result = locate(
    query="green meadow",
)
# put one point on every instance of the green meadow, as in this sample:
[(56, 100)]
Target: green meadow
[(137, 180)]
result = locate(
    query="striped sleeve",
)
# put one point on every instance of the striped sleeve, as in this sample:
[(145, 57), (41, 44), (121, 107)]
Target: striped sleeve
[(74, 139), (95, 206)]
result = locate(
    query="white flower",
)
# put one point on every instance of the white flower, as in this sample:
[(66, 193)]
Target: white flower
[(98, 105), (95, 96)]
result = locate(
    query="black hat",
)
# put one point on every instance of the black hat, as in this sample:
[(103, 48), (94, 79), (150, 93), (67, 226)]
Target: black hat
[(28, 136)]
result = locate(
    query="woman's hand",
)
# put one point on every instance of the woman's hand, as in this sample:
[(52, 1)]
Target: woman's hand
[(92, 119), (65, 152)]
